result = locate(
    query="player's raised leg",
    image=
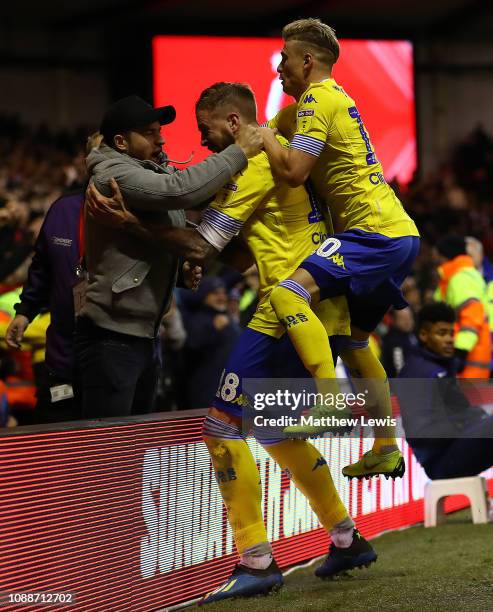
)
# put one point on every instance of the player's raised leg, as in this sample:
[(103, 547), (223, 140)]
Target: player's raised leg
[(292, 302), (395, 257), (368, 269), (368, 373)]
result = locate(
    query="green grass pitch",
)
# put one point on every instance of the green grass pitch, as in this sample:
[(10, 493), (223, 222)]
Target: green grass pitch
[(418, 570)]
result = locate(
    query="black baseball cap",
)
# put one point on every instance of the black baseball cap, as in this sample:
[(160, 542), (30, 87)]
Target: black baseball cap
[(130, 113)]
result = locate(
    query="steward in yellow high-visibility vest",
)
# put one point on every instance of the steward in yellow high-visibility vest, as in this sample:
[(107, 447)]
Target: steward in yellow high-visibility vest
[(462, 287)]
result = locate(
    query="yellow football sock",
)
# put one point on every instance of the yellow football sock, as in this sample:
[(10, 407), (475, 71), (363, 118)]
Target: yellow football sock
[(311, 475), (308, 336), (239, 482), (363, 363)]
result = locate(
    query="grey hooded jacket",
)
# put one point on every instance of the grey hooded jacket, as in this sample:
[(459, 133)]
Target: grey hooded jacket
[(130, 280)]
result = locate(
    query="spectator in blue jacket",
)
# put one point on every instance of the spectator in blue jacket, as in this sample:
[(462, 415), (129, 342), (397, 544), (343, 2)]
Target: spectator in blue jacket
[(211, 334), (449, 437), (398, 342)]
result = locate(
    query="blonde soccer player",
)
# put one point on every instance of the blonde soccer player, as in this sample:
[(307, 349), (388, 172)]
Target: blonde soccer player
[(374, 244)]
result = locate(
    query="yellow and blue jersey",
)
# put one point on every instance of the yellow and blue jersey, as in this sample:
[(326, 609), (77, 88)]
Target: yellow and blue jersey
[(347, 176), (281, 226)]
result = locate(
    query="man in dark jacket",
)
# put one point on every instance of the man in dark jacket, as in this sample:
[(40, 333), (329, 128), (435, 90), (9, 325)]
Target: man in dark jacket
[(449, 437), (51, 277), (130, 280)]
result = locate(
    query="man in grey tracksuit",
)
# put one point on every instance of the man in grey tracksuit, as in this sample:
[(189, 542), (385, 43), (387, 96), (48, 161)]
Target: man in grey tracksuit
[(130, 280)]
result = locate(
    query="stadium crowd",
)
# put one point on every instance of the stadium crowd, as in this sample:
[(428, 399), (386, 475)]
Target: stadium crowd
[(38, 165)]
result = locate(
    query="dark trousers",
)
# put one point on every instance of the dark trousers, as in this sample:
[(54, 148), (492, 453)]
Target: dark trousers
[(46, 410), (118, 372), (465, 456)]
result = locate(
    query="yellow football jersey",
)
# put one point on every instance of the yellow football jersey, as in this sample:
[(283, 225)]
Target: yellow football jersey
[(281, 226), (347, 175)]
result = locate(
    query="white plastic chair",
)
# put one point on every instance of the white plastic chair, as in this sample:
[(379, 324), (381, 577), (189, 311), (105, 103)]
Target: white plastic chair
[(474, 487)]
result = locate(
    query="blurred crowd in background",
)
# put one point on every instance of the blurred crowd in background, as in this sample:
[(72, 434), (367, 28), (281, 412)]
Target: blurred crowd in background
[(39, 165)]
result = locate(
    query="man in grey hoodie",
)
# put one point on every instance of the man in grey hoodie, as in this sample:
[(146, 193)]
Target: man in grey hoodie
[(129, 280)]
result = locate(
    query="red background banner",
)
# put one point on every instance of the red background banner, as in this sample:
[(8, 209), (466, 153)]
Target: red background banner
[(377, 74)]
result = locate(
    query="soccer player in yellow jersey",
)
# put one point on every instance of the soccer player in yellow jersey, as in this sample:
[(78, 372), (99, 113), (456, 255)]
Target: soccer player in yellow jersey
[(280, 226), (374, 243)]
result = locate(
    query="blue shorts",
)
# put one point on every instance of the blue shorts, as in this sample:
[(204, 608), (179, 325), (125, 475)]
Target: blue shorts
[(368, 268), (257, 355)]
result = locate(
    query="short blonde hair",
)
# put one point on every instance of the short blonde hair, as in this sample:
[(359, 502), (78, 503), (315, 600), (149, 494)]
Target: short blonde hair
[(318, 36)]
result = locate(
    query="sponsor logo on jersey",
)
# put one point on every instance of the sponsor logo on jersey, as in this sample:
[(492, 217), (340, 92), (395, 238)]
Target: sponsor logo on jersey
[(376, 178), (319, 237), (231, 186), (308, 99), (308, 112)]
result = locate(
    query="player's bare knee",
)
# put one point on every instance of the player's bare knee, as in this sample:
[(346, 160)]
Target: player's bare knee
[(215, 446), (350, 347), (359, 334), (305, 279), (358, 340)]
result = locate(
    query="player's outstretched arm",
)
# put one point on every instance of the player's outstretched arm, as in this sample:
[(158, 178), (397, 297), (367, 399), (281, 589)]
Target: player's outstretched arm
[(291, 165)]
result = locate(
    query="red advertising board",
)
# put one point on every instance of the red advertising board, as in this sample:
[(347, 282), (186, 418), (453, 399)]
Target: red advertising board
[(377, 74), (129, 518)]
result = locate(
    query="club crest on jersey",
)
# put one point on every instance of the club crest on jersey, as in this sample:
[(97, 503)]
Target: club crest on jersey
[(308, 99)]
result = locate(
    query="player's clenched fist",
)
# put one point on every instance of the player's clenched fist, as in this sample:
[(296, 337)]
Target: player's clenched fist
[(192, 275)]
